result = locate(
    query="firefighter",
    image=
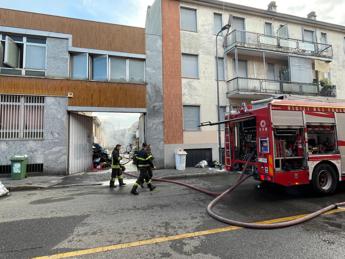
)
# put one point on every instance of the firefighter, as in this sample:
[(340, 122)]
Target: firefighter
[(150, 173), (144, 163), (116, 167)]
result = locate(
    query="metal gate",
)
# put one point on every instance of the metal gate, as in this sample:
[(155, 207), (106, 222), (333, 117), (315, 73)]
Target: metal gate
[(80, 143)]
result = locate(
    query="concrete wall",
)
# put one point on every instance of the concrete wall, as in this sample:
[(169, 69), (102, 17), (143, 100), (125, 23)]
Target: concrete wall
[(52, 149), (202, 91), (57, 58), (154, 77), (256, 24)]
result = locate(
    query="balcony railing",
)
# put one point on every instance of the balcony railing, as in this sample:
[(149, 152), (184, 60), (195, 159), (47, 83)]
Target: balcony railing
[(266, 86), (274, 43)]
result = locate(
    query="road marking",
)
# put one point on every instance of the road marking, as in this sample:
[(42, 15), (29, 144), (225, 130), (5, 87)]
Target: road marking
[(170, 238)]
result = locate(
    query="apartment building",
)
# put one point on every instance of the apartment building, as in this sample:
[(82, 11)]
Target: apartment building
[(53, 71), (264, 53)]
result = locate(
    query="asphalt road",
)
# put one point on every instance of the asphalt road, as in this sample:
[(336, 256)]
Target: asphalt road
[(39, 223)]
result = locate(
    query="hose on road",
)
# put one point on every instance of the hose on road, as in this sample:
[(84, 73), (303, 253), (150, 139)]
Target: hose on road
[(242, 178)]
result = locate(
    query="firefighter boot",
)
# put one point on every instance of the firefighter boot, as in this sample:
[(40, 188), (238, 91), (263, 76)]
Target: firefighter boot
[(134, 189), (112, 183), (151, 187), (121, 183)]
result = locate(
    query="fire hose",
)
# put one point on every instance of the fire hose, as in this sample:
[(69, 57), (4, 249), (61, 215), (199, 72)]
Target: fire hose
[(242, 178)]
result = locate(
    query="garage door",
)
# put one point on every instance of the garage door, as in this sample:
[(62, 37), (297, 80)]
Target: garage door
[(194, 156), (80, 143)]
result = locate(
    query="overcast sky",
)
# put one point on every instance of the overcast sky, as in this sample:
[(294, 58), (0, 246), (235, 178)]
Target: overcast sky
[(132, 12)]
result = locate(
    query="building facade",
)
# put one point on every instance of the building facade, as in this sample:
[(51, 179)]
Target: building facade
[(52, 70), (264, 53)]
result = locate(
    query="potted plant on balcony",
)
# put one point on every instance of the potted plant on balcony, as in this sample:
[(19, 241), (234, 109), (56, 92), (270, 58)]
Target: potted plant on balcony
[(327, 89)]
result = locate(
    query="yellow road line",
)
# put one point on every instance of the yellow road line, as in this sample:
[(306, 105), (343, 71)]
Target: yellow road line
[(168, 238)]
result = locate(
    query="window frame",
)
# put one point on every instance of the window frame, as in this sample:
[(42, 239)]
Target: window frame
[(199, 119), (25, 53), (196, 18), (71, 65), (272, 29), (198, 66), (218, 60), (128, 70), (326, 37), (22, 68), (31, 109), (309, 30), (222, 126), (91, 69), (89, 61), (214, 23), (126, 79)]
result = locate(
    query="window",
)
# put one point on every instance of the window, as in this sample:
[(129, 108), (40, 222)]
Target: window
[(118, 69), (21, 117), (218, 23), (220, 69), (268, 29), (308, 36), (190, 66), (136, 70), (99, 67), (12, 60), (321, 139), (13, 53), (35, 57), (104, 68), (222, 112), (191, 118), (188, 19), (271, 72), (323, 38), (79, 66), (283, 31)]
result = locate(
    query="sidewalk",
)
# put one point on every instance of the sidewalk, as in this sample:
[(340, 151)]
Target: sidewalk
[(96, 178)]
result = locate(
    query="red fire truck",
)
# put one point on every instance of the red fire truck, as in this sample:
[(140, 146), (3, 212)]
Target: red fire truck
[(289, 142)]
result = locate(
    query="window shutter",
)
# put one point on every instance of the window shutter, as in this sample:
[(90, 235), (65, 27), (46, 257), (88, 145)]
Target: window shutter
[(11, 53), (188, 20)]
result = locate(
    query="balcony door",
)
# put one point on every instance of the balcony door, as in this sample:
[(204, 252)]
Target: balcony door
[(242, 74), (301, 72), (242, 68), (238, 23)]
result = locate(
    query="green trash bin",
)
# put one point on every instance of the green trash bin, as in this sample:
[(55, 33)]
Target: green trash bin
[(18, 167)]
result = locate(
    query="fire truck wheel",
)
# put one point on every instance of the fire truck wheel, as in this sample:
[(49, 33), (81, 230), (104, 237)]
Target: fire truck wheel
[(324, 179)]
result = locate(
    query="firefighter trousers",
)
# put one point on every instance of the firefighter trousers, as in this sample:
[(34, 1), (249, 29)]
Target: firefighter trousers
[(116, 173), (143, 176)]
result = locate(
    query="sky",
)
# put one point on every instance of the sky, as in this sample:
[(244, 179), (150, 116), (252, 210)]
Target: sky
[(133, 12)]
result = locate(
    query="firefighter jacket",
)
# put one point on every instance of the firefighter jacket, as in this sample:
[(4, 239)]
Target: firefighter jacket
[(144, 159), (115, 164)]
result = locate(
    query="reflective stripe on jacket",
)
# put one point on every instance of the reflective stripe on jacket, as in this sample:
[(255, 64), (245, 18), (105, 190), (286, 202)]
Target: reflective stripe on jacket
[(144, 159), (115, 159)]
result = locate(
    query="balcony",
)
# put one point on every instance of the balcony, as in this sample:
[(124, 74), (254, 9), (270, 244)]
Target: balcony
[(242, 85), (257, 41)]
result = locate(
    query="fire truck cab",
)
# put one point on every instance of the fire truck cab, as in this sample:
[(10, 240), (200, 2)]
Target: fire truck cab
[(289, 142)]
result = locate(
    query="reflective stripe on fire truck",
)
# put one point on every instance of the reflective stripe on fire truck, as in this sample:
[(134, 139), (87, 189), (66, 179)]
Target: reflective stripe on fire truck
[(270, 165)]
